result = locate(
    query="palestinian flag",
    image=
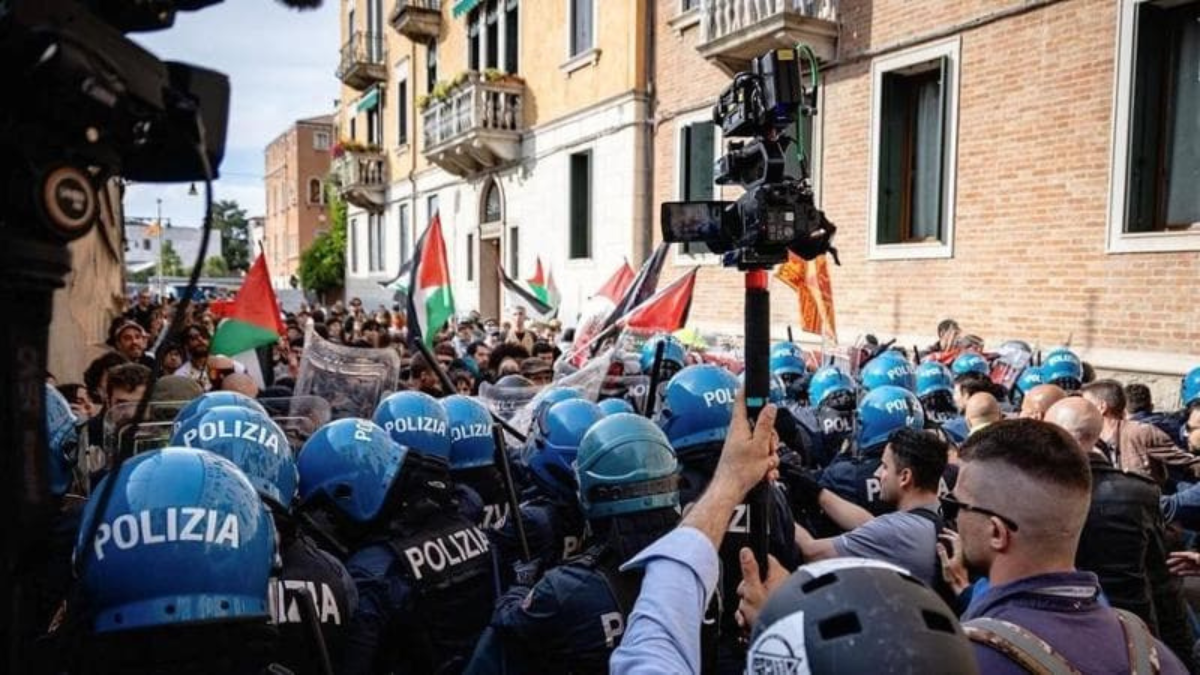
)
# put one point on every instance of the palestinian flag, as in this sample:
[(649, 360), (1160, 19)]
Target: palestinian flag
[(517, 295), (555, 298), (667, 310), (431, 298), (642, 287), (614, 289), (398, 284), (537, 284), (253, 319)]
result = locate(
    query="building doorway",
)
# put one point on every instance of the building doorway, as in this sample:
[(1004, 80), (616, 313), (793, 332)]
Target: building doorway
[(491, 228)]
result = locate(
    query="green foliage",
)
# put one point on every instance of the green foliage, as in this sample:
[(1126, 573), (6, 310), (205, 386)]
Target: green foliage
[(216, 267), (230, 219), (323, 263), (172, 265)]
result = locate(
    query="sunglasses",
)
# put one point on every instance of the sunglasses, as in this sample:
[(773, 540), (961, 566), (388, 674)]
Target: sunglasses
[(951, 506)]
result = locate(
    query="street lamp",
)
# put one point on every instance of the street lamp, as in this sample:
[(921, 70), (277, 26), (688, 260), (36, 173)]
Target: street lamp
[(159, 225)]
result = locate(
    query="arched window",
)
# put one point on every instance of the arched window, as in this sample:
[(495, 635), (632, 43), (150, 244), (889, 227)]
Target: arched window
[(492, 210), (314, 191)]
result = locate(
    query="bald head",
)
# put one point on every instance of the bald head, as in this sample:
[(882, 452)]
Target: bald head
[(1039, 399), (241, 383), (1079, 418), (982, 409)]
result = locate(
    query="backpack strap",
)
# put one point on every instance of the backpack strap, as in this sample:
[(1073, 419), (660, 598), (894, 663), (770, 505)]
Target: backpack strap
[(940, 585), (1143, 653), (1019, 645)]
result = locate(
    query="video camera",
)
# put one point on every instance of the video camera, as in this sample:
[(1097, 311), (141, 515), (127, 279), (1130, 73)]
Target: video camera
[(89, 104), (776, 214)]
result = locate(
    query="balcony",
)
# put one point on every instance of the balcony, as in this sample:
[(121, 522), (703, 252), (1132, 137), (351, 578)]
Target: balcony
[(418, 20), (363, 59), (735, 31), (476, 125), (362, 176)]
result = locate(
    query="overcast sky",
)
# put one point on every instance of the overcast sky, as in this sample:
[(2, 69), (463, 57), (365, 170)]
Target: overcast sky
[(280, 65)]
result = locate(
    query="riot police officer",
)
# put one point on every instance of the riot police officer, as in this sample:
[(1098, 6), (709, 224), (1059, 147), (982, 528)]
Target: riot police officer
[(573, 618), (473, 459), (312, 584), (696, 414), (935, 390), (889, 368), (174, 573), (787, 363), (1062, 367), (832, 396)]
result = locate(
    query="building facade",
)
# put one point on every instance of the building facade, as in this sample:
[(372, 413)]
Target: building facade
[(297, 163), (522, 123), (143, 242), (1027, 168)]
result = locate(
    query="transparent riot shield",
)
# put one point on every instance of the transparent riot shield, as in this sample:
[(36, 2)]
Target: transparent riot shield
[(353, 380)]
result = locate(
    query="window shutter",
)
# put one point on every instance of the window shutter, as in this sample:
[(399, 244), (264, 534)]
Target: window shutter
[(892, 123), (1146, 105)]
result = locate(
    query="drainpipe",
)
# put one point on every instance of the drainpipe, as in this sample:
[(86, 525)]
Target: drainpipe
[(644, 235), (412, 144)]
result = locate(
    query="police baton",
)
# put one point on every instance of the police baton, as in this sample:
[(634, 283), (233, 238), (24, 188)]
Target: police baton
[(655, 377), (757, 332), (308, 614), (510, 489), (448, 386)]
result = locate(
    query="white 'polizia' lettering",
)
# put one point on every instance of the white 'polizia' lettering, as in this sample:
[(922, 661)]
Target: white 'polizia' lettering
[(243, 429), (405, 424), (452, 549), (151, 528)]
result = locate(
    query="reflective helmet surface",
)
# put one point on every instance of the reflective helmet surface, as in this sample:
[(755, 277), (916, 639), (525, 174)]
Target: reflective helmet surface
[(889, 368), (612, 406), (553, 446), (626, 465), (697, 406), (885, 410), (1030, 378), (548, 397), (787, 359), (62, 441), (849, 615), (1189, 391), (933, 376), (827, 381), (471, 442), (214, 399), (252, 441), (183, 539), (970, 362), (1063, 368), (417, 421), (351, 465), (674, 354)]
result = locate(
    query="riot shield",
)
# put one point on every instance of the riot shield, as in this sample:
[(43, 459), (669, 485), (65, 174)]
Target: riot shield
[(353, 380)]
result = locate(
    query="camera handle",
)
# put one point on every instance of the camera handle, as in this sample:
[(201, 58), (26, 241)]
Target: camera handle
[(758, 336)]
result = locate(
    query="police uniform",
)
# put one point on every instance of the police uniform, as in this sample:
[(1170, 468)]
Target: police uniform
[(485, 489), (424, 595), (570, 622), (554, 531), (307, 570), (833, 428)]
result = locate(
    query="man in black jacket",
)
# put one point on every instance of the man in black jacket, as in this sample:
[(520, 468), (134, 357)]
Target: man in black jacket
[(1123, 540)]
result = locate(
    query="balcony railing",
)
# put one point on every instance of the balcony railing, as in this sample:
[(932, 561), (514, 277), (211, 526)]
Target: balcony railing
[(418, 20), (363, 178), (735, 31), (477, 126), (362, 60)]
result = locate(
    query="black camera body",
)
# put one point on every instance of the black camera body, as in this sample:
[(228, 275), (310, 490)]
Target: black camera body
[(776, 214)]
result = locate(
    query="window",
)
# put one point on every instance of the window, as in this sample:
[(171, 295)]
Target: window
[(402, 216), (914, 116), (581, 26), (375, 242), (685, 5), (145, 244), (1154, 205), (492, 31), (474, 39), (352, 238), (374, 127), (315, 195), (402, 112), (431, 59), (580, 245), (514, 250), (431, 206), (492, 210), (512, 39), (320, 140), (470, 257), (697, 152)]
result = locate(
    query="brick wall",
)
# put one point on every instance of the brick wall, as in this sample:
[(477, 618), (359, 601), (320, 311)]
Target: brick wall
[(1034, 141)]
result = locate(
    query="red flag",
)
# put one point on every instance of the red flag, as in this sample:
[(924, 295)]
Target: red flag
[(667, 310), (254, 319), (618, 284), (814, 290), (537, 280)]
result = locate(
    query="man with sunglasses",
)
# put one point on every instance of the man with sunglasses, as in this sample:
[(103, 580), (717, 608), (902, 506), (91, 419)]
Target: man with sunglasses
[(1020, 504)]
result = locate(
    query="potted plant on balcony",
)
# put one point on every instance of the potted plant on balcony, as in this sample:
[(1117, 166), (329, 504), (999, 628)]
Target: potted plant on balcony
[(498, 76)]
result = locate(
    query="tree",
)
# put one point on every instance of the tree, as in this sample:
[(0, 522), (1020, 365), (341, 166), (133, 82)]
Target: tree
[(230, 220), (216, 267), (172, 265), (323, 263)]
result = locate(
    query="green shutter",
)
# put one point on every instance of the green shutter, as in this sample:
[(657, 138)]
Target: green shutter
[(1146, 111), (893, 127)]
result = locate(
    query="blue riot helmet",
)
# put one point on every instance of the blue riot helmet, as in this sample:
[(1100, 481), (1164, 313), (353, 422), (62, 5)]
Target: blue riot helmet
[(626, 465), (213, 399), (417, 421), (612, 406), (674, 355), (788, 361), (970, 362), (1062, 367), (885, 410), (183, 539), (1189, 390), (252, 441), (697, 407), (471, 442), (777, 391), (1030, 378), (826, 382), (548, 397), (786, 348), (932, 377), (889, 368), (350, 465), (62, 440), (554, 443)]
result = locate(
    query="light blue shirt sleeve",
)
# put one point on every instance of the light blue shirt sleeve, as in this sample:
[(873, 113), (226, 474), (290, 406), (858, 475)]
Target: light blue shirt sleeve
[(663, 635)]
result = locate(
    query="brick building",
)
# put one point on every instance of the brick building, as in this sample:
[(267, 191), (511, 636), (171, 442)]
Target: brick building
[(1028, 168), (297, 162)]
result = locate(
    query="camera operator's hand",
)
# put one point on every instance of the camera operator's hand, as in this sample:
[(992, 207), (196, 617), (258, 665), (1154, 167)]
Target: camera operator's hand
[(752, 591)]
